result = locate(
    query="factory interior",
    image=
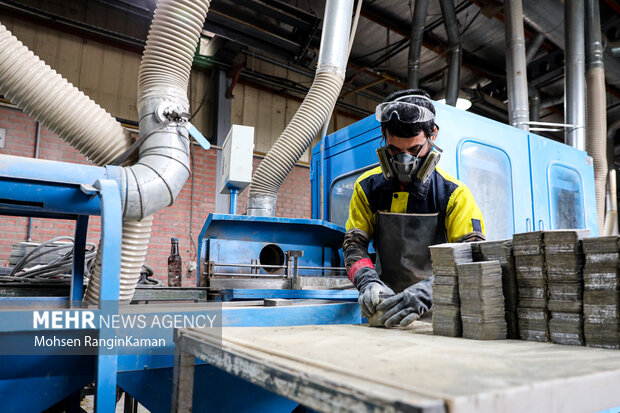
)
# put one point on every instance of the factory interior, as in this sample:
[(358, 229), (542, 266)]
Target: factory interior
[(309, 206)]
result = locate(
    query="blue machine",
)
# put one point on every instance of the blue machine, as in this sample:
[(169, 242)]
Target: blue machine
[(521, 181), (35, 382), (284, 255)]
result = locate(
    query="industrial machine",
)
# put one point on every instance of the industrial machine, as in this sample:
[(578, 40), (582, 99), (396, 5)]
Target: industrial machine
[(521, 181)]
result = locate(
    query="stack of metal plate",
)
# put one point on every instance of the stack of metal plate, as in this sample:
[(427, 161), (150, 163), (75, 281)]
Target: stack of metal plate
[(532, 310), (501, 251), (446, 312), (482, 300), (564, 265), (601, 297)]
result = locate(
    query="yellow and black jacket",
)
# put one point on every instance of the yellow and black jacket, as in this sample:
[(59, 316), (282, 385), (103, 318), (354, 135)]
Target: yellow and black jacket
[(441, 193)]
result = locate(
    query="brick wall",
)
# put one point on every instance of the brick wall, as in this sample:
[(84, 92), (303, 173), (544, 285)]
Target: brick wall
[(174, 221)]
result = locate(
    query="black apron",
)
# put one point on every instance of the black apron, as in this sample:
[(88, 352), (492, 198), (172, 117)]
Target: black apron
[(402, 242)]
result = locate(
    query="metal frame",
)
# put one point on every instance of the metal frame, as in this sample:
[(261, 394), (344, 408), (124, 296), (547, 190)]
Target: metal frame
[(73, 200)]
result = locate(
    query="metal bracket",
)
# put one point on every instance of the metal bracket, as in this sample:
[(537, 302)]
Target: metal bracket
[(552, 127), (292, 267)]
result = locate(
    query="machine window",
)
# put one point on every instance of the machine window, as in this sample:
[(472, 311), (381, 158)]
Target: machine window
[(487, 172), (340, 196), (566, 198)]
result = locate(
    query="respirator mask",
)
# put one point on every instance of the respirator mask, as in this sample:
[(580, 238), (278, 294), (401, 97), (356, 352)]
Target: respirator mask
[(406, 166)]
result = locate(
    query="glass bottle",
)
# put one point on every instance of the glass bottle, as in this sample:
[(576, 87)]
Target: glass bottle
[(174, 264)]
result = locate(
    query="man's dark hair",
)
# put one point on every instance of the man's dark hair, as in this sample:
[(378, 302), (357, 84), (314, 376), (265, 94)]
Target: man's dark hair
[(406, 130)]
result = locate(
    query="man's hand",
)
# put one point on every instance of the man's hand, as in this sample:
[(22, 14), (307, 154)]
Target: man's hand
[(370, 296), (408, 306)]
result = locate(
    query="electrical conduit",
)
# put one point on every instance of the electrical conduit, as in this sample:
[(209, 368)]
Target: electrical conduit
[(311, 115)]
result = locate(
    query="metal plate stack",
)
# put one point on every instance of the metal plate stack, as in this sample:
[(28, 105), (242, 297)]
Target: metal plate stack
[(482, 300), (532, 310), (601, 297), (501, 251), (564, 265), (446, 312)]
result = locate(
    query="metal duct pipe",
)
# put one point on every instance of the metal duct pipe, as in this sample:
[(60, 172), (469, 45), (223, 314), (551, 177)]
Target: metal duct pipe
[(546, 17), (163, 108), (415, 47), (596, 139), (534, 103), (614, 48), (516, 66), (574, 80), (534, 44), (454, 41), (552, 101), (311, 115)]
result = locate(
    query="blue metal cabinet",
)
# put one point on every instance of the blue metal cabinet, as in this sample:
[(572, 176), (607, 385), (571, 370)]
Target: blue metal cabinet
[(562, 186), (492, 160)]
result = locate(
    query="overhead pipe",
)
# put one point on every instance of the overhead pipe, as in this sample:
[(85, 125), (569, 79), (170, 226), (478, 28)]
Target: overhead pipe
[(534, 44), (534, 103), (574, 80), (552, 101), (415, 46), (311, 115), (163, 164), (596, 110), (516, 66), (547, 17), (454, 42)]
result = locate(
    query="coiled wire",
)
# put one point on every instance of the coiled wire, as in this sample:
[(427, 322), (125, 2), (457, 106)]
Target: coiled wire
[(59, 270)]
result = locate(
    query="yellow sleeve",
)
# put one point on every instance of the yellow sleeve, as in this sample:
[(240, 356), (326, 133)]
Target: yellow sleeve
[(360, 215), (462, 214)]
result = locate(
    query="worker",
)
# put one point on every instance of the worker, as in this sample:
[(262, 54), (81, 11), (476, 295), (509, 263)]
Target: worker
[(405, 205)]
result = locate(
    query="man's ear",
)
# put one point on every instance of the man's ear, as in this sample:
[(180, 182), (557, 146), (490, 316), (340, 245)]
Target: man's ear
[(434, 134)]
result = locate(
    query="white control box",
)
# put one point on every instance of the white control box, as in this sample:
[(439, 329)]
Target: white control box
[(237, 153)]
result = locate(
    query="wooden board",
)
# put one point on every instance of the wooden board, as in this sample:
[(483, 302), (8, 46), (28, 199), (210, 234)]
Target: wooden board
[(369, 369)]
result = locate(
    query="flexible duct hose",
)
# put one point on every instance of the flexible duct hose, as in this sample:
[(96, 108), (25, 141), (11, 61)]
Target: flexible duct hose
[(596, 106), (163, 168), (50, 99), (295, 139), (136, 235), (312, 113), (596, 142), (44, 95), (164, 161)]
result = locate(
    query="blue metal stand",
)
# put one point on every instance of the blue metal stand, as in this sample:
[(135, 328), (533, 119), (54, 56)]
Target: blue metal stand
[(29, 188), (234, 192)]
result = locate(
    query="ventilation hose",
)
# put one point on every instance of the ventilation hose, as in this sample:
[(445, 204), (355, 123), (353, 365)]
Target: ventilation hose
[(596, 106), (136, 235), (164, 159), (50, 99), (44, 95), (311, 115), (163, 167), (596, 142)]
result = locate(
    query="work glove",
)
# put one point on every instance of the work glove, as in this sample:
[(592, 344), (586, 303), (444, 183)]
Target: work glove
[(406, 307), (371, 290)]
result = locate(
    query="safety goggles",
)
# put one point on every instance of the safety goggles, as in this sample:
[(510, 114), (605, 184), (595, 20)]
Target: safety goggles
[(406, 112)]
